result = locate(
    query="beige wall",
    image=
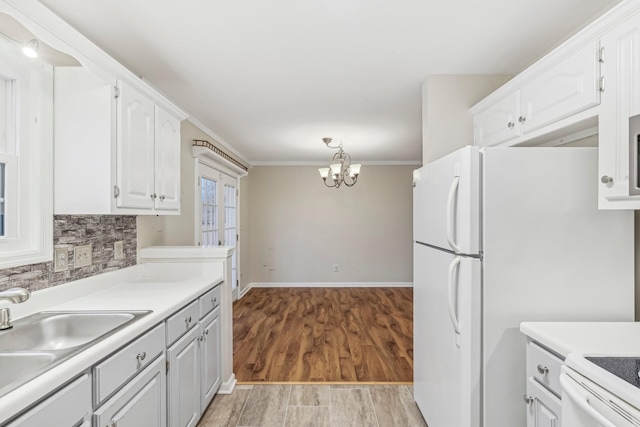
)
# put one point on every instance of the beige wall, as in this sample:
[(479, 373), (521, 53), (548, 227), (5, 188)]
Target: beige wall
[(299, 228), (447, 123)]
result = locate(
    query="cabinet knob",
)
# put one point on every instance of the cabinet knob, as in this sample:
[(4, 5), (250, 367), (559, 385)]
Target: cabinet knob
[(187, 320), (200, 338), (214, 300), (606, 179), (141, 356), (510, 125), (543, 370), (154, 196), (206, 332), (162, 198), (522, 119), (527, 399)]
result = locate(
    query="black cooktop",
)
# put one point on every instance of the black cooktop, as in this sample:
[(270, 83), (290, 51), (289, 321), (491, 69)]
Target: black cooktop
[(627, 368)]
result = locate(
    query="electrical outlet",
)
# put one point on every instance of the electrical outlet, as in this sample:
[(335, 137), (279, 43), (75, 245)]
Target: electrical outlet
[(82, 256), (118, 250), (60, 259), (336, 268)]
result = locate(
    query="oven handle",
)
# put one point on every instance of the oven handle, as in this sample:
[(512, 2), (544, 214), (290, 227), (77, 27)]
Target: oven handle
[(582, 401)]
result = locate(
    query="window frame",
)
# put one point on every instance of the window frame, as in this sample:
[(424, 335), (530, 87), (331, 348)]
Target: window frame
[(28, 156)]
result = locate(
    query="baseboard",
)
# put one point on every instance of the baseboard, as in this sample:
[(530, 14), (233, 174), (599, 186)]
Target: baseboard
[(228, 386), (244, 291), (331, 285)]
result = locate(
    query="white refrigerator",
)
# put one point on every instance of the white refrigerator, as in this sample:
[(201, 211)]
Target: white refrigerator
[(501, 236)]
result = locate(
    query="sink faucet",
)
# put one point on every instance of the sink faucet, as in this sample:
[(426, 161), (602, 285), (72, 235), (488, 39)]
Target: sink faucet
[(14, 295)]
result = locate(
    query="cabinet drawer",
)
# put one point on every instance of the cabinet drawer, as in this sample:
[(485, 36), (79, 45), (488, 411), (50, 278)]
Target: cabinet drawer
[(117, 369), (182, 321), (67, 407), (209, 301), (544, 367)]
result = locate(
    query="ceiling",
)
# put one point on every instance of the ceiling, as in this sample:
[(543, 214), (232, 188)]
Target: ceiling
[(270, 79)]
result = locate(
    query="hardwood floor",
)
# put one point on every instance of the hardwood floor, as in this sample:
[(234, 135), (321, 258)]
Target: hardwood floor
[(324, 335)]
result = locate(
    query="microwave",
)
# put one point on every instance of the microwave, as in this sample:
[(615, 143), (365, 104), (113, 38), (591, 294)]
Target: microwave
[(634, 155)]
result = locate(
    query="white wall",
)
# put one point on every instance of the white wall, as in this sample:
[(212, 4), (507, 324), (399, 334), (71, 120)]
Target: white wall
[(447, 123), (299, 228)]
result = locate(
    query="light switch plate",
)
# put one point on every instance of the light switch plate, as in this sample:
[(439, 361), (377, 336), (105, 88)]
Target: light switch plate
[(82, 256), (60, 259)]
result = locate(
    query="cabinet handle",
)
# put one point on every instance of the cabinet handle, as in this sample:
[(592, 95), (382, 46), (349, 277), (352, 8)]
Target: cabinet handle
[(141, 356), (154, 196), (543, 370), (162, 198), (188, 320), (510, 125), (206, 332), (527, 399), (606, 179), (200, 338), (522, 119), (214, 300)]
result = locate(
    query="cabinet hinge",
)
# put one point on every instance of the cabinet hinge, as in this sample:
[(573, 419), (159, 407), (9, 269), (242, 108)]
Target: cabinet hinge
[(601, 54), (116, 92), (601, 84), (116, 191), (167, 367)]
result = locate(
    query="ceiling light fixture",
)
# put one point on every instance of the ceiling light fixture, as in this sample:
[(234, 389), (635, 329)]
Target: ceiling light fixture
[(30, 48), (341, 170)]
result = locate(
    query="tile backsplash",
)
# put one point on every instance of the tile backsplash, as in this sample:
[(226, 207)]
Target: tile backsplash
[(69, 231)]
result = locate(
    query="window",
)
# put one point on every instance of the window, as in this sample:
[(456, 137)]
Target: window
[(26, 161)]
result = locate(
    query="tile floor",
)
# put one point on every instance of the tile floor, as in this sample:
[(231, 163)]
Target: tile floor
[(314, 405)]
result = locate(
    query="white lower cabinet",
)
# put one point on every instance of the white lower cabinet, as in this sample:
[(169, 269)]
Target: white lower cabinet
[(183, 380), (544, 407), (70, 406), (543, 387), (193, 376), (210, 357), (141, 403)]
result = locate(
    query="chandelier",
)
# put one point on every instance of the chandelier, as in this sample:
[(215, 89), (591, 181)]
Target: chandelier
[(341, 170)]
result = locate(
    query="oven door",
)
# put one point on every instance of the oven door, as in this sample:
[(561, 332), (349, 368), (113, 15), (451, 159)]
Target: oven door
[(585, 404)]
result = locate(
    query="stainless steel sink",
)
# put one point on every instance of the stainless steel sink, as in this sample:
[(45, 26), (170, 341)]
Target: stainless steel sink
[(43, 340), (17, 366), (61, 330)]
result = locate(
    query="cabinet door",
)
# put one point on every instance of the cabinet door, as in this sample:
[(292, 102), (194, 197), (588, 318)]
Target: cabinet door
[(67, 407), (135, 149), (545, 407), (497, 123), (621, 100), (167, 161), (141, 403), (565, 89), (210, 361), (184, 380)]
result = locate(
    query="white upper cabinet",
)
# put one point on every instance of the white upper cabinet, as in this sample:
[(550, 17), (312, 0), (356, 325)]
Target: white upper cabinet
[(499, 122), (569, 87), (117, 136), (167, 161), (135, 149), (620, 102), (560, 89)]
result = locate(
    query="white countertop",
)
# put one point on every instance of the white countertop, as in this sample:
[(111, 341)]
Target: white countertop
[(162, 288), (611, 338)]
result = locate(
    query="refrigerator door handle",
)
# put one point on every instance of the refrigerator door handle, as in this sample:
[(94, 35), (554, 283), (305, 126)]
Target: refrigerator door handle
[(452, 303), (451, 212)]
